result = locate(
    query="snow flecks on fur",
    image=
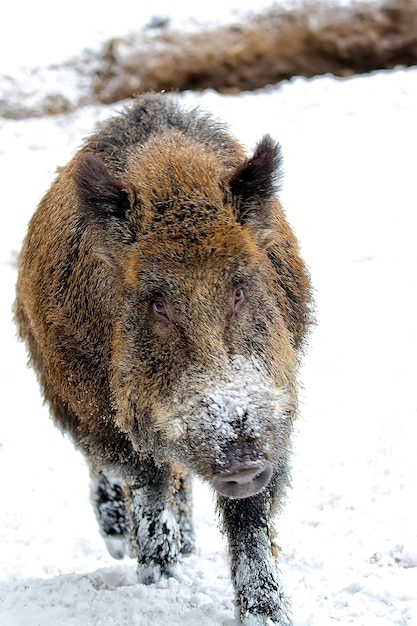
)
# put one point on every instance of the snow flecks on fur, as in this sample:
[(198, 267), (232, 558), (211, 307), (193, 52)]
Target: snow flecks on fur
[(243, 403), (239, 404), (156, 535), (257, 587), (107, 497), (254, 620)]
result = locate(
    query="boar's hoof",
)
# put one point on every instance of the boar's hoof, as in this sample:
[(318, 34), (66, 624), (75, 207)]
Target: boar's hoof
[(116, 546), (149, 574), (152, 573), (282, 619), (243, 480), (256, 620)]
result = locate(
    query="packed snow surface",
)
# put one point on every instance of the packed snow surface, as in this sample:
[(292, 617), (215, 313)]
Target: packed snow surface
[(349, 530)]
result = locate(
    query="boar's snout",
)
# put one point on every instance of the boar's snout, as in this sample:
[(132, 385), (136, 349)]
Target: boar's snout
[(232, 427), (243, 480)]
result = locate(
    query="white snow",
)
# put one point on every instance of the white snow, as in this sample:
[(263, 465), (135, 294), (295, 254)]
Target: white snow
[(349, 531), (44, 32)]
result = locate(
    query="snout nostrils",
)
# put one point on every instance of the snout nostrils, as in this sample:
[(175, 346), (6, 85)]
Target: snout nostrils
[(244, 480)]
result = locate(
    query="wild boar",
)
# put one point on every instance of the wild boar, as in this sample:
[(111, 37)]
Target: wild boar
[(165, 305)]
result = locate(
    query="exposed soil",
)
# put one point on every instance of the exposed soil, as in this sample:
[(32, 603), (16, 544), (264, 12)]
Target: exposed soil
[(267, 48)]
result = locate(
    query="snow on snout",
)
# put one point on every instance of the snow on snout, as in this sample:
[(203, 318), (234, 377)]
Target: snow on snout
[(241, 401)]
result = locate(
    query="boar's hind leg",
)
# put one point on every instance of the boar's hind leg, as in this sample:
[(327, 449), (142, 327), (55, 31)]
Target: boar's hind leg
[(183, 504), (108, 499), (155, 529), (247, 523)]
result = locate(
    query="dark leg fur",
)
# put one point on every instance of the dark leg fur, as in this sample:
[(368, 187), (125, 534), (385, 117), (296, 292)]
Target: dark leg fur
[(155, 529), (149, 519), (183, 504), (109, 503), (159, 527), (248, 525)]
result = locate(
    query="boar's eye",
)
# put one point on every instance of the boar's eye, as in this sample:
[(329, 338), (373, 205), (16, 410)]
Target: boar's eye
[(160, 310), (239, 297)]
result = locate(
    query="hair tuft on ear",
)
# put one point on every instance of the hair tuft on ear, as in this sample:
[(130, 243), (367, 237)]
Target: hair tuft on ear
[(258, 178)]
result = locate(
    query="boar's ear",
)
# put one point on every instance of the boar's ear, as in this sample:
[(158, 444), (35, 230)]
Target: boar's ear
[(256, 181), (100, 193)]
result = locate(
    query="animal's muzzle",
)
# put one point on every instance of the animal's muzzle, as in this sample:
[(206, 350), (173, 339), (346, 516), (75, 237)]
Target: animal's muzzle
[(243, 480)]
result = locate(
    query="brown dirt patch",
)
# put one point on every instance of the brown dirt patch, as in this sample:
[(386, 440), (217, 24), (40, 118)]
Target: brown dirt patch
[(263, 50), (267, 49)]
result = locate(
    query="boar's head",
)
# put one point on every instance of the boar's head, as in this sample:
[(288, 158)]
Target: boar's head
[(204, 352)]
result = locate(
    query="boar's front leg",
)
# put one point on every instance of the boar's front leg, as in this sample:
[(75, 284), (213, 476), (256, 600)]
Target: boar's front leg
[(248, 526), (155, 529)]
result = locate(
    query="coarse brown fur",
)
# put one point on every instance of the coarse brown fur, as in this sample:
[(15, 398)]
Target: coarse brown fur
[(158, 275)]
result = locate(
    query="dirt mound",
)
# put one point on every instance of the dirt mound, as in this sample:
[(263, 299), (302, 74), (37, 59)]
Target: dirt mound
[(265, 49), (268, 48)]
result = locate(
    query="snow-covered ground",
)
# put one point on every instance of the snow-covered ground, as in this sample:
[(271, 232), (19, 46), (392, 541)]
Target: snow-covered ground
[(349, 532), (45, 32)]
